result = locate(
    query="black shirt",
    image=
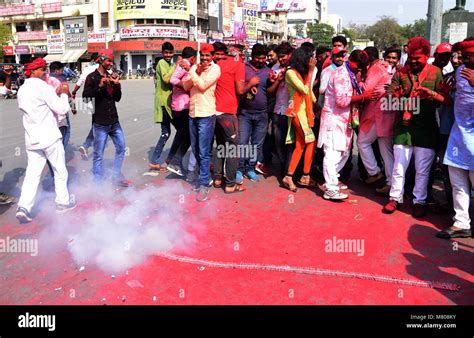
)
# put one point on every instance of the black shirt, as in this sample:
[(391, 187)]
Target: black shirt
[(105, 110)]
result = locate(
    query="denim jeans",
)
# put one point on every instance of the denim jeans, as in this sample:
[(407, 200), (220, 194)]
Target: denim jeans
[(201, 130), (181, 141), (227, 130), (165, 135), (64, 132), (101, 133), (252, 128), (89, 142)]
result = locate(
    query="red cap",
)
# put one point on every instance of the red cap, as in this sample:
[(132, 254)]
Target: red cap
[(444, 47), (467, 46), (337, 50), (37, 63), (206, 48)]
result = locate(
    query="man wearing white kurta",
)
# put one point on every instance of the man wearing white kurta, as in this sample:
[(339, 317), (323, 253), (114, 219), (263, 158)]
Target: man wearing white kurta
[(460, 150), (40, 106)]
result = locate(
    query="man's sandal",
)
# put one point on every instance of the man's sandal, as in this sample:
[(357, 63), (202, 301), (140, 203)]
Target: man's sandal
[(235, 188)]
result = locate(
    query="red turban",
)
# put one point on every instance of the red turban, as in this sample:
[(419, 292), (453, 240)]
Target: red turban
[(37, 63), (467, 46), (206, 48), (105, 54)]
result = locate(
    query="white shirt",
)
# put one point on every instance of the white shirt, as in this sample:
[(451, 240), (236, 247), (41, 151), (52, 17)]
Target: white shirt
[(40, 105), (403, 59), (4, 91), (89, 70)]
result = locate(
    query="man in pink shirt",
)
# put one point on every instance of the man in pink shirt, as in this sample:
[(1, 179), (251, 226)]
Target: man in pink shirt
[(180, 109), (376, 124)]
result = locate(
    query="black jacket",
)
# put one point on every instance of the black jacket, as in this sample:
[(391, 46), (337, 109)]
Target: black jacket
[(105, 110)]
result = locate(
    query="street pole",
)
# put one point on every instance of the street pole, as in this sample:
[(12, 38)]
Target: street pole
[(435, 19)]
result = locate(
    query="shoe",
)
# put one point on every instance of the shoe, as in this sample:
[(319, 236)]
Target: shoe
[(123, 183), (239, 178), (430, 201), (83, 152), (251, 175), (391, 207), (190, 176), (385, 190), (175, 169), (419, 210), (162, 168), (375, 178), (202, 194), (335, 195), (451, 233), (260, 168), (342, 186), (288, 183), (61, 208), (152, 172), (5, 199), (217, 183), (23, 215)]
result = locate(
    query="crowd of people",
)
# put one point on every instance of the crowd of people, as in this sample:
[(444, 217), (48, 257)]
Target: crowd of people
[(291, 112)]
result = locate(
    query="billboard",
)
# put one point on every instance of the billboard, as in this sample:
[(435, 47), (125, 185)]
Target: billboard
[(154, 32), (151, 9), (282, 5), (75, 32), (56, 43)]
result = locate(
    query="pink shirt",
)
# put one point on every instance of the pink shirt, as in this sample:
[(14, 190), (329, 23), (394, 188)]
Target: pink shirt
[(377, 111), (180, 97)]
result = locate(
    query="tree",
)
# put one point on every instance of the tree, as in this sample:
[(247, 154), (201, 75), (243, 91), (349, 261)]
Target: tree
[(385, 32), (418, 28), (321, 34), (359, 31), (351, 35), (5, 36), (300, 28)]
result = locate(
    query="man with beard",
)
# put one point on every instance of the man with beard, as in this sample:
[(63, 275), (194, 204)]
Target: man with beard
[(202, 86), (105, 89), (415, 129)]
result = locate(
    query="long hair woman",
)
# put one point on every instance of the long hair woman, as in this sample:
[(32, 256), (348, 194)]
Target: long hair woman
[(300, 115)]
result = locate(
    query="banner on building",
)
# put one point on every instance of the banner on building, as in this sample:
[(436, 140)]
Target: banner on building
[(75, 32), (282, 5), (55, 43), (151, 9), (154, 32), (93, 37), (249, 17)]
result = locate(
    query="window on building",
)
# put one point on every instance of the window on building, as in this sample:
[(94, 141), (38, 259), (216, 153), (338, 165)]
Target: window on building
[(169, 21), (36, 25), (53, 24), (104, 20), (140, 21), (21, 27), (150, 21), (90, 23), (160, 21)]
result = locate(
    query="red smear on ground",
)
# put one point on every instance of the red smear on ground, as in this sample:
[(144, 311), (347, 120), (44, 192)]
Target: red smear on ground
[(266, 225)]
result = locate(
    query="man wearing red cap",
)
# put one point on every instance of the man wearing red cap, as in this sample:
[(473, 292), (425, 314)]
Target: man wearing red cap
[(442, 55), (104, 88), (202, 85), (40, 105), (460, 150)]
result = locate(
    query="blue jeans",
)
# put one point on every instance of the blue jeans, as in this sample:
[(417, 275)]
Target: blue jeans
[(89, 142), (101, 133), (165, 135), (252, 128), (67, 135), (201, 130), (280, 131)]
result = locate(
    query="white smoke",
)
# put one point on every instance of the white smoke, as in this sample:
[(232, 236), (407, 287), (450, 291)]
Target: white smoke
[(118, 230)]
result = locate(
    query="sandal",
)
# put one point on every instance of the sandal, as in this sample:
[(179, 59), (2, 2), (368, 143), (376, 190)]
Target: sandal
[(288, 183), (158, 167), (307, 181), (235, 188), (217, 182)]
